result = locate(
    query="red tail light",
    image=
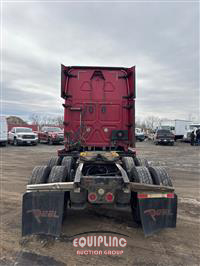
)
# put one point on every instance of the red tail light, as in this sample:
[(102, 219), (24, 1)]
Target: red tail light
[(92, 197), (170, 195), (142, 196), (109, 197)]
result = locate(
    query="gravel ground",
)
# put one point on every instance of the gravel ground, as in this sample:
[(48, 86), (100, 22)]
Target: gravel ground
[(179, 246)]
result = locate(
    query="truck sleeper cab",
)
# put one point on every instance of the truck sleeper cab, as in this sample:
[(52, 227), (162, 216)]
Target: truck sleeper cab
[(99, 107)]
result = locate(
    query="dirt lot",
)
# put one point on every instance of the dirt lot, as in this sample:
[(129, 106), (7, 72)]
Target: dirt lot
[(179, 246)]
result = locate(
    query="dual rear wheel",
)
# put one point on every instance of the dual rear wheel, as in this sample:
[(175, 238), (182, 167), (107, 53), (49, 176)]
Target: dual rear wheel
[(139, 171), (56, 170)]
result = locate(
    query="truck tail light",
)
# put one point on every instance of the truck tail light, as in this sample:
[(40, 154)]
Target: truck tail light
[(170, 195), (142, 196), (109, 197), (92, 197)]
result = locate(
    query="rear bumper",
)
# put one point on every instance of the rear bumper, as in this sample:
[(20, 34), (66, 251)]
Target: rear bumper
[(164, 140), (79, 197)]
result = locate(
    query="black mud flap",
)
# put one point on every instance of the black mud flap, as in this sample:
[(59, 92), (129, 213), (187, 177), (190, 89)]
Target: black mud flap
[(157, 213), (42, 213)]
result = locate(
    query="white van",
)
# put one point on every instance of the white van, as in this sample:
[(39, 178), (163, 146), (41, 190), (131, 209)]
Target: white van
[(3, 131)]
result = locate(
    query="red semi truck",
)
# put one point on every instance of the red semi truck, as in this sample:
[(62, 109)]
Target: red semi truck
[(98, 166)]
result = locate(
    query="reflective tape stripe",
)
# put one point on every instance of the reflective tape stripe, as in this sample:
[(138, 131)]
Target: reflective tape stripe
[(155, 195)]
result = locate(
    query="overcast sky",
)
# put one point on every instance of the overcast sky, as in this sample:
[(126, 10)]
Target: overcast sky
[(160, 38)]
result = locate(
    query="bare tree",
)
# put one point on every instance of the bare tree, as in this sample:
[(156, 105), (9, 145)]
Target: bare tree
[(138, 123), (36, 119), (152, 122), (42, 120), (59, 120)]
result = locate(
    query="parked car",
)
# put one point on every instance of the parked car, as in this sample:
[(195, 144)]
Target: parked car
[(139, 134), (22, 135), (3, 131), (51, 135), (164, 136)]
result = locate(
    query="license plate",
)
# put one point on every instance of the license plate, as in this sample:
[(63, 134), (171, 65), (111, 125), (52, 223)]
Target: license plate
[(165, 140), (28, 142)]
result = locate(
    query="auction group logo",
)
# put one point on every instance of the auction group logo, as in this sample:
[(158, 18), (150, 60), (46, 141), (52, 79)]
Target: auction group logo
[(92, 245)]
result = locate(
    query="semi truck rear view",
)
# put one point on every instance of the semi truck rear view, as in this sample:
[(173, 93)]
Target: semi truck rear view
[(98, 165)]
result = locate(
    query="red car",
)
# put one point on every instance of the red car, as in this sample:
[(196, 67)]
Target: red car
[(51, 135)]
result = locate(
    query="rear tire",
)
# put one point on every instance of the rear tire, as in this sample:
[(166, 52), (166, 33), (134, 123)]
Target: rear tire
[(54, 161), (141, 162), (68, 162), (140, 174), (160, 176), (128, 163), (39, 175), (72, 175), (58, 174)]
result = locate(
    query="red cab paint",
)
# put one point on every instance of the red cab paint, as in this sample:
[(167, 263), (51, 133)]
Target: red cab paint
[(99, 108)]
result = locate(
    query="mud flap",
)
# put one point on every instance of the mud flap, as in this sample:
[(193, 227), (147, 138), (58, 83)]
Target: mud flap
[(42, 213), (157, 213)]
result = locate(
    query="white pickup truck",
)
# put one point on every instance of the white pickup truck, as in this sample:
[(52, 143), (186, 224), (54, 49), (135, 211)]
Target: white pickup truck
[(22, 135)]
